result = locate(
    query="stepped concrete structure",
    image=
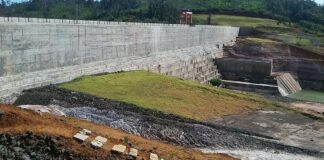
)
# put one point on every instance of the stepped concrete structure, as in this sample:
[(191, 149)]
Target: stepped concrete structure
[(287, 84), (36, 52)]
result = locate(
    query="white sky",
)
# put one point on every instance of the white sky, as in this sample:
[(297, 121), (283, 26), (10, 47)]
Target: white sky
[(320, 1)]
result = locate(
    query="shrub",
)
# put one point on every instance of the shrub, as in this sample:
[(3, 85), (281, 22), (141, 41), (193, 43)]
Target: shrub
[(2, 112), (216, 82)]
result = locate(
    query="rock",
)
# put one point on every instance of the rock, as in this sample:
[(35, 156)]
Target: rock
[(18, 149), (3, 150), (24, 157), (47, 149), (33, 154), (14, 141), (3, 139), (154, 156), (54, 141)]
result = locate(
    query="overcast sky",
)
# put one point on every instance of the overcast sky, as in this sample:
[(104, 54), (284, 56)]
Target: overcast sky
[(318, 1)]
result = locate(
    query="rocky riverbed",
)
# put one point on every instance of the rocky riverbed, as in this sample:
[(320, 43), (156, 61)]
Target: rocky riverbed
[(156, 125)]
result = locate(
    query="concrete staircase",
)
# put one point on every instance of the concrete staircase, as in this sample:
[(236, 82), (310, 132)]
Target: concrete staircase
[(287, 84)]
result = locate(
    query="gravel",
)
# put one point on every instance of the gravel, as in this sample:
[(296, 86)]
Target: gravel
[(28, 146)]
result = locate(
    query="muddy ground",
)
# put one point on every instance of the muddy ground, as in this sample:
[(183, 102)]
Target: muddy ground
[(287, 127), (157, 125)]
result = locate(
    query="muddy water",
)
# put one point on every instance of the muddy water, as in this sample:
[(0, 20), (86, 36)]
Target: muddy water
[(155, 125)]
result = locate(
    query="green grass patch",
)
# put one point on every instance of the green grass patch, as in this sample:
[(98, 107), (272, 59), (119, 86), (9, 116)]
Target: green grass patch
[(308, 95), (239, 21), (260, 40), (168, 94), (296, 40)]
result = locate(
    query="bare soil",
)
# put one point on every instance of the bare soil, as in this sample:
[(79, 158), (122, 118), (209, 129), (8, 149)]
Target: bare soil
[(17, 121)]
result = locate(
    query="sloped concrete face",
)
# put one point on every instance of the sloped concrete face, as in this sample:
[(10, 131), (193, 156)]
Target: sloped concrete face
[(37, 52)]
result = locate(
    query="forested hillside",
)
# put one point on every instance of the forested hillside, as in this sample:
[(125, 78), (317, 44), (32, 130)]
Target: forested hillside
[(306, 13)]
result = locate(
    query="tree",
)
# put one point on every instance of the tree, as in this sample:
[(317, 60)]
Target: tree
[(163, 10), (3, 4)]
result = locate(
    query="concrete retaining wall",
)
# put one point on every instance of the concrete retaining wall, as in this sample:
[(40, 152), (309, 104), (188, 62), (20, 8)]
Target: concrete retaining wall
[(36, 52), (246, 70)]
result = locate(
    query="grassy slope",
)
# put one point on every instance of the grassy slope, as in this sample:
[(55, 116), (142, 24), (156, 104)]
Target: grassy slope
[(167, 94), (260, 40), (240, 21)]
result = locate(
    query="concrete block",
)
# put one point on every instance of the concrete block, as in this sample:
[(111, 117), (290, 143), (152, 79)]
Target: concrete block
[(133, 152), (80, 137), (85, 132), (154, 156), (118, 149), (101, 139), (96, 144)]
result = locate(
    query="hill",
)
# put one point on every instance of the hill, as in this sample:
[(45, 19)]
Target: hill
[(168, 94), (282, 32)]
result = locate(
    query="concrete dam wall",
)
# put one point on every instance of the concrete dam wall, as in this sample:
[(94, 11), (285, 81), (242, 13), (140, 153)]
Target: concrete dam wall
[(37, 52)]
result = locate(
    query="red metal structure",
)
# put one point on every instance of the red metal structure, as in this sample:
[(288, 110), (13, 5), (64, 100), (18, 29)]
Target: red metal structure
[(186, 17)]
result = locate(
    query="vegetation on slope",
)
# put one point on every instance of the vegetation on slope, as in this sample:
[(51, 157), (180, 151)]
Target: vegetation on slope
[(260, 40), (283, 32), (168, 94), (239, 21)]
